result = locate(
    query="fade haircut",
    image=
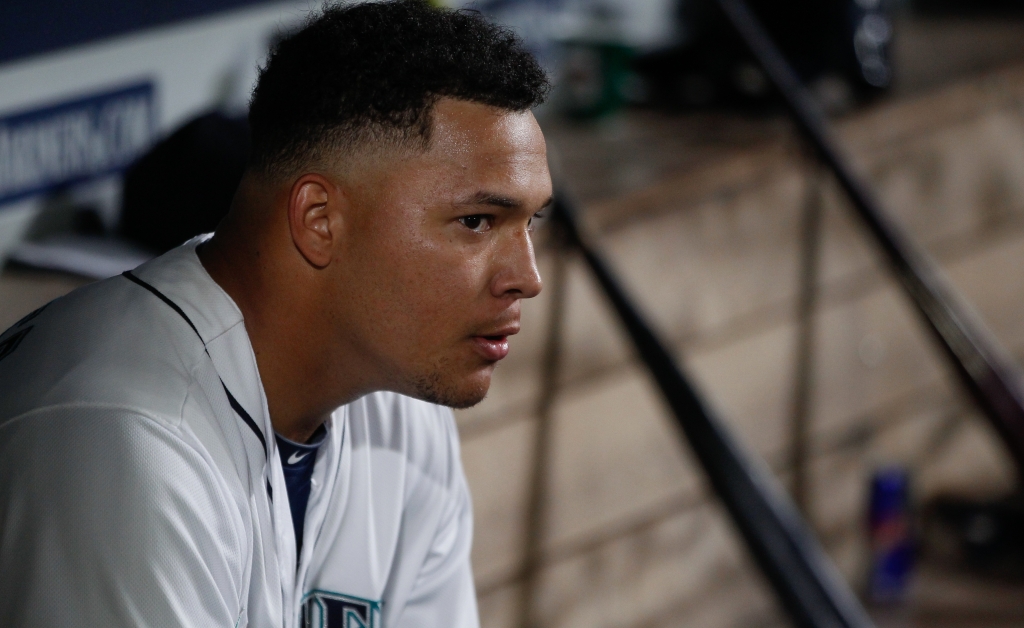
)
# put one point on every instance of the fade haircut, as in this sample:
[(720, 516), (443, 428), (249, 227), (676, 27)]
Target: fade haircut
[(371, 73)]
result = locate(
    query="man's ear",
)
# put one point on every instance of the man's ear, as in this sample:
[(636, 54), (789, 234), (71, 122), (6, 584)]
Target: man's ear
[(315, 217)]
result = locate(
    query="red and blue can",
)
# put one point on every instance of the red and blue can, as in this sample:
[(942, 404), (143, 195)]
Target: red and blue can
[(891, 535)]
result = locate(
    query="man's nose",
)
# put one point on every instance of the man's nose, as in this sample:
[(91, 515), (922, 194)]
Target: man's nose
[(516, 274)]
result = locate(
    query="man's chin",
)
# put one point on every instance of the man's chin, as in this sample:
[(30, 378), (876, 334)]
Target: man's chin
[(452, 392), (461, 403)]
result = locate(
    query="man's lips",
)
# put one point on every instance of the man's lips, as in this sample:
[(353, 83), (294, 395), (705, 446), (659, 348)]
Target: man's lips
[(493, 345)]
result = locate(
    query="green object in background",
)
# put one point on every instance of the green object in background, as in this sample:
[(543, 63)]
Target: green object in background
[(595, 77)]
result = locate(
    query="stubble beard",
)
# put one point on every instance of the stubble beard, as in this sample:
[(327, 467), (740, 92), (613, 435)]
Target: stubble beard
[(437, 386)]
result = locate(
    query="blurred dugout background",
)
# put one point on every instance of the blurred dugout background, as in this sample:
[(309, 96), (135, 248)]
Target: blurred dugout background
[(116, 119)]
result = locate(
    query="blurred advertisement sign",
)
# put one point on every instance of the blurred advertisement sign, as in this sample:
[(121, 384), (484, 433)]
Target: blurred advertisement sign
[(74, 141)]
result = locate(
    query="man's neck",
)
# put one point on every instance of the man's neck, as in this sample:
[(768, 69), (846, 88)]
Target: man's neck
[(279, 314)]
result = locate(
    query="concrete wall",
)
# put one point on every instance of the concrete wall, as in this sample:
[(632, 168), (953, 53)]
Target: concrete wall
[(631, 536)]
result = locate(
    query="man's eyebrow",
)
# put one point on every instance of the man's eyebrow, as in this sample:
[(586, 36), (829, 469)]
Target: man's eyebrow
[(497, 200), (490, 198)]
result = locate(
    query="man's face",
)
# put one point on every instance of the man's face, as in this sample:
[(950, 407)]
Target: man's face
[(437, 253)]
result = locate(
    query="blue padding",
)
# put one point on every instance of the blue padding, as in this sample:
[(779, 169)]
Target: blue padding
[(30, 27)]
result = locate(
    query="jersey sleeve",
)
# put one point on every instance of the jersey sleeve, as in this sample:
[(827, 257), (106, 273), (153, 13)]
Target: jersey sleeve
[(443, 593), (108, 518)]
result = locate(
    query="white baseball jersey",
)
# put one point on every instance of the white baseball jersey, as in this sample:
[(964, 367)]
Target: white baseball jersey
[(140, 483)]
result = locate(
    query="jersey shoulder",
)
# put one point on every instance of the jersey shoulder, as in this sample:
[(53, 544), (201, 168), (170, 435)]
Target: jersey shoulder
[(106, 343), (98, 499)]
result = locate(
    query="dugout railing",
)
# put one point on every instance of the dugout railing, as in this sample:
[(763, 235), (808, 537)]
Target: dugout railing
[(807, 585)]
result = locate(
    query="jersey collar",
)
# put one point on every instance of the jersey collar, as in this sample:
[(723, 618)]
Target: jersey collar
[(181, 277)]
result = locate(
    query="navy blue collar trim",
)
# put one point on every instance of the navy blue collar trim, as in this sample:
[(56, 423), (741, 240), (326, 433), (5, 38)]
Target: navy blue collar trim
[(246, 418), (163, 297)]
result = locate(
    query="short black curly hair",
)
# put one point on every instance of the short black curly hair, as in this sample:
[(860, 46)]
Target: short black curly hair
[(373, 71)]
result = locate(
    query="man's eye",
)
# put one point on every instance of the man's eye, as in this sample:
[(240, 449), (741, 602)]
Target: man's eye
[(477, 222), (536, 220)]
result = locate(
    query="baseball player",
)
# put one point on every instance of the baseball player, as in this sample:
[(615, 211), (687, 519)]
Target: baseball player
[(253, 429)]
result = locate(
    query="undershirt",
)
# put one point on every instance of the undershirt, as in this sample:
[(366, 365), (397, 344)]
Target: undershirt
[(298, 460)]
